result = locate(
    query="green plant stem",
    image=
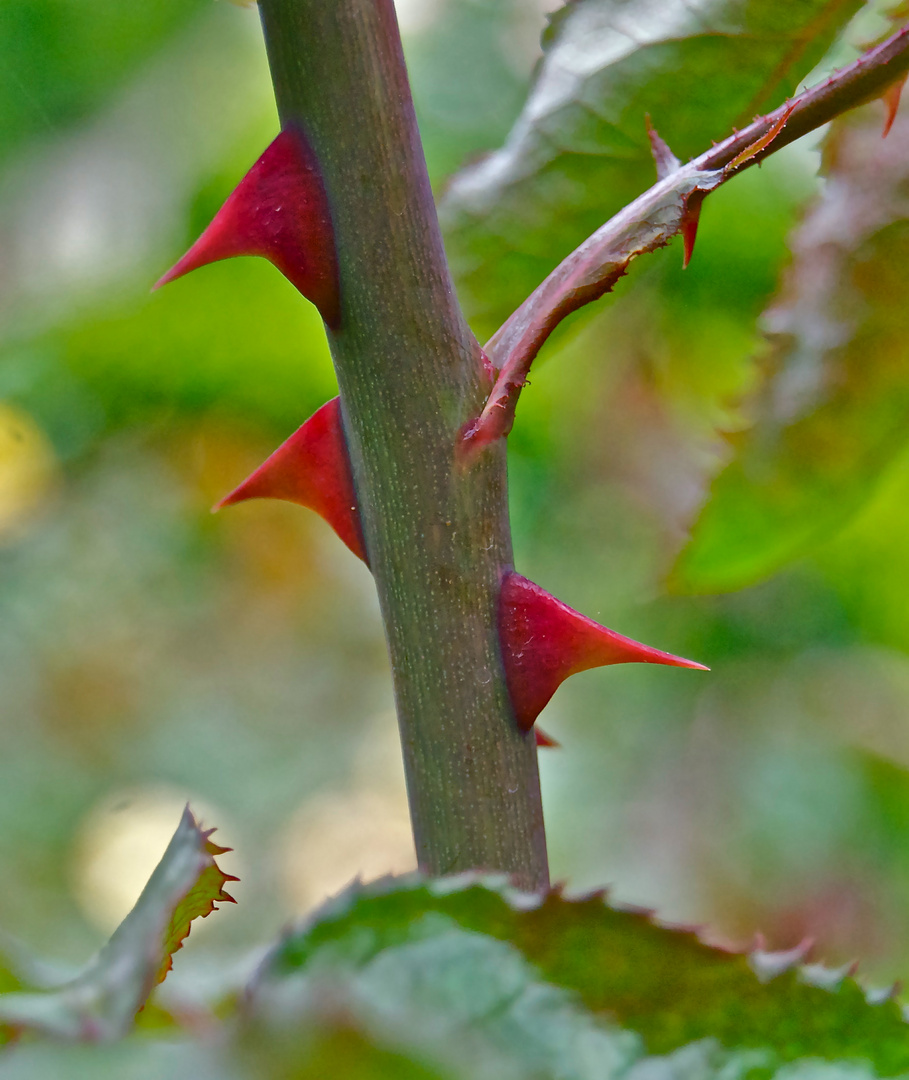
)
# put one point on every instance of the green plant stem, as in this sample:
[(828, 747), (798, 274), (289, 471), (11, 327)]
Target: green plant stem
[(410, 377)]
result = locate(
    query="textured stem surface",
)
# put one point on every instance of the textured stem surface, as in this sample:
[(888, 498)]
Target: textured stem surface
[(411, 376)]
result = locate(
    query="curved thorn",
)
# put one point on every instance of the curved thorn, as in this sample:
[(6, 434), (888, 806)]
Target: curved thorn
[(279, 210), (311, 469), (544, 641)]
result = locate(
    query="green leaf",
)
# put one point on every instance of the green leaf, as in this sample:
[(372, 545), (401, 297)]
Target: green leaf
[(830, 413), (555, 982), (579, 151), (101, 1002), (330, 1051)]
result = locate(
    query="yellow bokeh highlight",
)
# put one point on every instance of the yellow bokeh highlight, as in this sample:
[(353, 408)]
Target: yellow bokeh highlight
[(28, 469), (359, 830)]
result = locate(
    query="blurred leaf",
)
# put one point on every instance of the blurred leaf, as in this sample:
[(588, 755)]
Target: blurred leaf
[(191, 349), (133, 1058), (830, 414), (456, 958), (579, 151), (331, 1048), (102, 1002), (62, 57), (332, 1051)]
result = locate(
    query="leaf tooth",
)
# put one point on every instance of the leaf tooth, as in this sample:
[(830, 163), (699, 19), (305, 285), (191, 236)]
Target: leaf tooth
[(768, 965), (891, 98), (544, 641), (279, 211), (640, 910), (311, 469), (590, 896), (881, 995), (826, 978)]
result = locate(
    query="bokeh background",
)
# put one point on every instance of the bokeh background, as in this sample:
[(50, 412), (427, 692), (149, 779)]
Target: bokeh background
[(151, 653)]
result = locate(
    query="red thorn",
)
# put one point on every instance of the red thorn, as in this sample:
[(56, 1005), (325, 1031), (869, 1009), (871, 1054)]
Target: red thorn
[(666, 162), (891, 98), (279, 210), (544, 641), (691, 217), (545, 740), (312, 469)]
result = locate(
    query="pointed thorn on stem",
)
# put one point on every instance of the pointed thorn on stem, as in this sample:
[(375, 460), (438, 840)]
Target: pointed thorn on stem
[(279, 210), (763, 142), (312, 469), (544, 641)]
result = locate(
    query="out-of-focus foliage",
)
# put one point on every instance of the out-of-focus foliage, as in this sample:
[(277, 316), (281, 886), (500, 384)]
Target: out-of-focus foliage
[(579, 152), (150, 653), (829, 413), (471, 960), (458, 978), (63, 58)]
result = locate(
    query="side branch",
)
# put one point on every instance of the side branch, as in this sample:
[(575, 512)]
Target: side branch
[(658, 215)]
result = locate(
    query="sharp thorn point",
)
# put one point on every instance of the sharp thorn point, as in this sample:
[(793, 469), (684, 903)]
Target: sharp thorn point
[(279, 210), (546, 741), (545, 641), (312, 469), (663, 158), (691, 218)]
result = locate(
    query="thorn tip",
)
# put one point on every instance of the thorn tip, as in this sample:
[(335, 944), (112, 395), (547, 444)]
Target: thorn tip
[(279, 210), (312, 469), (544, 641)]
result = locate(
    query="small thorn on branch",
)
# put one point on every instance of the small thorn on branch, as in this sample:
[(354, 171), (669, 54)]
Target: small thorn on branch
[(544, 740), (691, 218), (891, 98), (279, 211), (311, 469), (666, 162)]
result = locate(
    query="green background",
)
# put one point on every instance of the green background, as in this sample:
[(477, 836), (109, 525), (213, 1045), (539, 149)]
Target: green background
[(151, 653)]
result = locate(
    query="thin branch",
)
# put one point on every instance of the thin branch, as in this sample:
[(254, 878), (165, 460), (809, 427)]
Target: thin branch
[(658, 215)]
